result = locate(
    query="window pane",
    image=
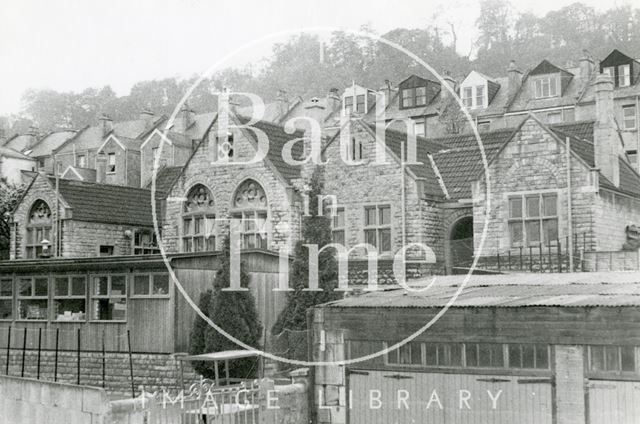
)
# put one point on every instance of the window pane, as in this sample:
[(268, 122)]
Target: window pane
[(533, 231), (431, 353), (550, 204), (62, 286), (421, 96), (141, 284), (118, 285), (187, 226), (515, 361), (338, 237), (515, 229), (78, 286), (385, 215), (41, 286), (533, 206), (612, 361), (370, 237), (385, 240), (70, 309), (542, 356), (484, 359), (416, 353), (515, 207), (528, 354), (161, 284), (110, 309), (392, 357), (550, 229), (25, 287), (597, 358), (370, 216), (33, 309), (407, 97), (338, 220), (211, 243), (6, 288), (187, 245), (198, 244), (456, 354), (6, 309), (101, 287), (497, 355), (628, 358), (198, 225), (471, 354)]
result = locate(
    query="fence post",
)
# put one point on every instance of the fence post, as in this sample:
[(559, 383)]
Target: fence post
[(24, 350), (509, 258), (541, 257), (530, 258), (6, 366), (39, 351), (133, 388), (550, 257), (521, 267), (78, 354), (104, 363), (55, 360), (559, 255), (498, 255)]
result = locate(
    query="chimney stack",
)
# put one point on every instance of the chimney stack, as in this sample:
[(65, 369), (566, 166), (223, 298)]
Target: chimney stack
[(107, 124), (586, 66), (101, 168), (147, 116), (187, 116), (333, 100), (444, 93), (607, 146), (514, 79), (283, 102)]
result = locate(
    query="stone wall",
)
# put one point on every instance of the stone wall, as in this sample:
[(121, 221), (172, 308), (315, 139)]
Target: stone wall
[(612, 213), (83, 239), (31, 401), (171, 156), (153, 371), (533, 162), (358, 186), (284, 203)]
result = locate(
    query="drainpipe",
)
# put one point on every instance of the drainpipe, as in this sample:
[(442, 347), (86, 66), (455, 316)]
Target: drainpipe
[(404, 195), (637, 134), (569, 213)]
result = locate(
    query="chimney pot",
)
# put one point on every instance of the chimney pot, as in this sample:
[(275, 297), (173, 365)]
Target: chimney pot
[(444, 93), (107, 124)]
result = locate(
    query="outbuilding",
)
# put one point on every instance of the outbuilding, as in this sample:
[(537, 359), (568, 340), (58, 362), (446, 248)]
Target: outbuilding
[(535, 348)]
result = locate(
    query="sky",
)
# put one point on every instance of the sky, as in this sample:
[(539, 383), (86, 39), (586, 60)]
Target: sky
[(69, 45)]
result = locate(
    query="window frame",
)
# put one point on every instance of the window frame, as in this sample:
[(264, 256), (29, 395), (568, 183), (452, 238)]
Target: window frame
[(207, 236), (20, 297), (484, 126), (535, 347), (111, 167), (31, 231), (348, 104), (467, 97), (420, 123), (612, 373), (151, 249), (361, 99), (10, 298), (546, 81), (624, 75), (80, 159), (150, 294), (524, 219), (97, 297), (254, 232), (336, 228), (355, 150), (378, 227), (69, 296), (479, 99), (626, 119)]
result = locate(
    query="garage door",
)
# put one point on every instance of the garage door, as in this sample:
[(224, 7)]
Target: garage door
[(413, 397), (614, 402)]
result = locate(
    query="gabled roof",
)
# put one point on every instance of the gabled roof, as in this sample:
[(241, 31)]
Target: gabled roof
[(50, 142), (79, 174), (616, 57), (171, 138), (546, 67), (460, 163), (106, 203), (8, 152), (165, 178)]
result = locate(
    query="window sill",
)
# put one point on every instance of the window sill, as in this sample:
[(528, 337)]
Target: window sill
[(31, 320), (108, 321), (151, 296), (69, 321)]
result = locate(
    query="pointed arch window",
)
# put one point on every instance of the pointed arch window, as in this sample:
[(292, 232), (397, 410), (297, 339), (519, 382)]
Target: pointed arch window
[(250, 207), (38, 229), (198, 221)]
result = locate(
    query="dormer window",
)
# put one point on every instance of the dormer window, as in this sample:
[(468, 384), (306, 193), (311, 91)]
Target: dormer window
[(480, 96), (414, 97), (621, 68), (357, 99), (467, 97), (624, 75), (348, 105), (474, 97), (360, 103), (546, 86), (417, 92)]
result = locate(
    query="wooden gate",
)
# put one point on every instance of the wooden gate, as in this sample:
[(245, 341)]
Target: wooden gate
[(614, 402), (420, 397)]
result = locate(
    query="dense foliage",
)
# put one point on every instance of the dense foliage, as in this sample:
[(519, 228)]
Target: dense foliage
[(9, 197), (233, 311), (307, 66)]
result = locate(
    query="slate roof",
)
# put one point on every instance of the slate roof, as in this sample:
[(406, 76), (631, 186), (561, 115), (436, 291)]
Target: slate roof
[(20, 142), (164, 180), (585, 289), (460, 163), (106, 203), (11, 153), (50, 142)]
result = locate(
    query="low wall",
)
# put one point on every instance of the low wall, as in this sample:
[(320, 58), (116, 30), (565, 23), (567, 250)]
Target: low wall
[(153, 371), (31, 401)]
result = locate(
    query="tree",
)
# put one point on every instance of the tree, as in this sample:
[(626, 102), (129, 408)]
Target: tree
[(9, 196), (234, 312), (316, 229)]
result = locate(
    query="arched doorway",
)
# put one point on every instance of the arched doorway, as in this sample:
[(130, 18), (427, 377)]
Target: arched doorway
[(461, 243)]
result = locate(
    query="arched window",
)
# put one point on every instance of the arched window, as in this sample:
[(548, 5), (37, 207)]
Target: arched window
[(250, 207), (198, 221), (38, 229)]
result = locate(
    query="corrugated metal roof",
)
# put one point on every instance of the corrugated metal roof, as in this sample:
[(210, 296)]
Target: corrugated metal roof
[(608, 289)]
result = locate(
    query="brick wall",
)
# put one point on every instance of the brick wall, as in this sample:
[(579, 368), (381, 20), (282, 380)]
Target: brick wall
[(532, 162), (284, 204), (153, 371), (369, 184)]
